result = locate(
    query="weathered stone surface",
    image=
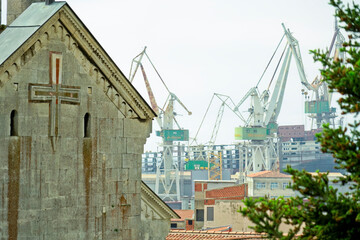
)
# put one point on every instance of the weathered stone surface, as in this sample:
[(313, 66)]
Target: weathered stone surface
[(62, 184)]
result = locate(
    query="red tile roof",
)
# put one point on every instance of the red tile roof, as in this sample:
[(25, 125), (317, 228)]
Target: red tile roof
[(184, 214), (204, 235), (232, 192), (220, 229), (269, 174)]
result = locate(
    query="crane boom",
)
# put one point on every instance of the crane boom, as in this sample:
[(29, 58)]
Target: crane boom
[(140, 56), (178, 100), (294, 45), (153, 103), (277, 96)]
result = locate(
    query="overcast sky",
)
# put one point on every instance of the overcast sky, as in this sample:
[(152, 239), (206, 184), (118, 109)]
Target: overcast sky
[(200, 47)]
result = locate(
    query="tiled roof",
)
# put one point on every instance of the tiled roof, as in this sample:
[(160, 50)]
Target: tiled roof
[(184, 214), (269, 174), (204, 235), (233, 192), (220, 229)]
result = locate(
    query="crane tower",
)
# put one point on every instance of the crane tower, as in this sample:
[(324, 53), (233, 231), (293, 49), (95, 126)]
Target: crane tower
[(167, 184)]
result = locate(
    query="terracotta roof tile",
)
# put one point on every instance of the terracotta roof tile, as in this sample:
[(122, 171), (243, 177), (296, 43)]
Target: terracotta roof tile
[(184, 214), (269, 174), (220, 229), (232, 192), (203, 235)]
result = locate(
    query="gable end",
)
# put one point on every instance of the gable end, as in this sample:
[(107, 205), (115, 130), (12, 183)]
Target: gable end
[(91, 56)]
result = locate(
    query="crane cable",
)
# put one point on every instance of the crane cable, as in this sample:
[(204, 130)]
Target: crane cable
[(270, 60), (202, 121), (277, 66)]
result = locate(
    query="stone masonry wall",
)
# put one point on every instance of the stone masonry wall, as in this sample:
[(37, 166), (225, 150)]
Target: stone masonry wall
[(67, 186)]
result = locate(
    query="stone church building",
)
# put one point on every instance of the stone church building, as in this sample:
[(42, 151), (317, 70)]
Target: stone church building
[(72, 131)]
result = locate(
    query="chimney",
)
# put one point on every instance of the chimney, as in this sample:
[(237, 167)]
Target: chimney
[(16, 7)]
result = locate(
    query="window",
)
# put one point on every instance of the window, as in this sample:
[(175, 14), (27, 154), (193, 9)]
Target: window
[(286, 185), (190, 222), (260, 185), (87, 127), (200, 215), (274, 185), (13, 123), (173, 225), (210, 214)]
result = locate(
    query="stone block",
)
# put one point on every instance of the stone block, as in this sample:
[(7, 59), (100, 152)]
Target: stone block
[(131, 186), (137, 128), (125, 174), (134, 173), (53, 189), (131, 160), (135, 145), (119, 127), (125, 186), (118, 144), (66, 161), (42, 77), (5, 130)]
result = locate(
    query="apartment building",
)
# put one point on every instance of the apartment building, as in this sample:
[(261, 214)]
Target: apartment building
[(269, 183)]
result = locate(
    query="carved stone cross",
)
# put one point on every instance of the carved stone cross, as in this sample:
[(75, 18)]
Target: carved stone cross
[(54, 93)]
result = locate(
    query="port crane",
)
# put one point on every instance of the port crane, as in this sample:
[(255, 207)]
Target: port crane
[(206, 152), (319, 108), (259, 132), (259, 128), (167, 184)]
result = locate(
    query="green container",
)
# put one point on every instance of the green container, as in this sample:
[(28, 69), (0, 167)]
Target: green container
[(243, 133), (272, 128), (317, 107), (174, 135), (196, 165)]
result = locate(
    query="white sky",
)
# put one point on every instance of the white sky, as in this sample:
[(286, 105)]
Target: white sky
[(204, 46)]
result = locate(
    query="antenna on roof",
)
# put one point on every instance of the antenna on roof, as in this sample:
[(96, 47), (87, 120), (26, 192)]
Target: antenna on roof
[(48, 2)]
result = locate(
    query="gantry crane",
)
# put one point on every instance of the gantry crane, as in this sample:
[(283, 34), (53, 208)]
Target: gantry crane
[(167, 185), (319, 109)]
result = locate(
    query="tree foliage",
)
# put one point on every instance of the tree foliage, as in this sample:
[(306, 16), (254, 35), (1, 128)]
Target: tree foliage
[(320, 212)]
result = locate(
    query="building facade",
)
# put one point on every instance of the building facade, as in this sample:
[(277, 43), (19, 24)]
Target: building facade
[(71, 135), (269, 183)]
